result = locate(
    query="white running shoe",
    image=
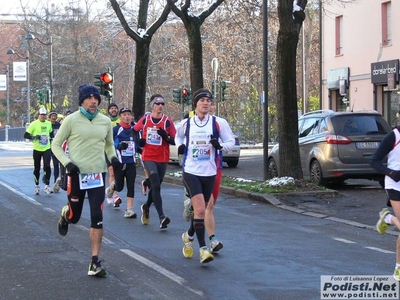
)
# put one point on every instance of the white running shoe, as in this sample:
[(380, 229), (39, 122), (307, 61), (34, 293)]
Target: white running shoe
[(129, 213), (187, 209), (215, 245), (110, 190), (144, 188), (56, 186), (36, 190), (47, 189)]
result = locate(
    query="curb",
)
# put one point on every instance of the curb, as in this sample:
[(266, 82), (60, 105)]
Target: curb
[(272, 200)]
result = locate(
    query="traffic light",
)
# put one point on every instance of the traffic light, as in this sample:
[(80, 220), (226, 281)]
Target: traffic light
[(105, 83), (177, 95), (189, 97), (107, 80), (99, 83), (184, 92), (41, 96), (224, 92)]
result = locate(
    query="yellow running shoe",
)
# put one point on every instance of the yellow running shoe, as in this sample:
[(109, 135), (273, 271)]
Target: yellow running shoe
[(205, 255), (396, 274), (188, 247), (145, 218), (381, 226)]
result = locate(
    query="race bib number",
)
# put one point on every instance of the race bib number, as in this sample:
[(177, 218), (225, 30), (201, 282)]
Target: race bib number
[(201, 151), (130, 151), (153, 137), (44, 139), (90, 181)]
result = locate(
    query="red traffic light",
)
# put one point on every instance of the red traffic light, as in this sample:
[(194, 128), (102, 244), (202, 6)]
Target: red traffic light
[(184, 92), (106, 78)]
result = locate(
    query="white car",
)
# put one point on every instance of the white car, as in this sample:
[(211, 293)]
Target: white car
[(230, 157)]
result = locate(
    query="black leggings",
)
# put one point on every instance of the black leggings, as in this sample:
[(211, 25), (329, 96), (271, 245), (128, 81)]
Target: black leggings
[(156, 173), (76, 197), (37, 157), (56, 166), (130, 174)]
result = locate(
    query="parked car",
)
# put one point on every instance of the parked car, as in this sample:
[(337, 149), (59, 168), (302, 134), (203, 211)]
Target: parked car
[(230, 157), (335, 146)]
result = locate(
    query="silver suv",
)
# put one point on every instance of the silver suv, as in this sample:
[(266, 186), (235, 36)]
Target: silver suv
[(335, 146)]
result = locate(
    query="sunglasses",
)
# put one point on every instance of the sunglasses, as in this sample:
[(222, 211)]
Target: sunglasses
[(160, 103)]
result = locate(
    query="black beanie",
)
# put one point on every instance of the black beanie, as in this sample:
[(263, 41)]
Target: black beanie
[(86, 91), (200, 93), (111, 105)]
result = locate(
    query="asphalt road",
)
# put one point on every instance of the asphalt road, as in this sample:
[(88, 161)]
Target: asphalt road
[(269, 253)]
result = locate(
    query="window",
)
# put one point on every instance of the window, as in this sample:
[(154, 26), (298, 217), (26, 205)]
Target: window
[(308, 126), (386, 23), (339, 35)]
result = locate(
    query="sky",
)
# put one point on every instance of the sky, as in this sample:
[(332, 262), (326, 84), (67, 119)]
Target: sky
[(14, 6)]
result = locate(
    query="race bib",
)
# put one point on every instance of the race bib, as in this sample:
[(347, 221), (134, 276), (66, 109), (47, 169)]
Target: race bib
[(44, 140), (90, 181), (153, 138), (201, 151)]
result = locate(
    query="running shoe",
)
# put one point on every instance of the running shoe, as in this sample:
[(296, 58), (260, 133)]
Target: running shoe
[(145, 218), (215, 245), (205, 255), (47, 189), (56, 186), (95, 269), (129, 213), (144, 188), (187, 209), (110, 190), (396, 274), (36, 190), (110, 201), (117, 201), (62, 222), (164, 221), (187, 249), (381, 226)]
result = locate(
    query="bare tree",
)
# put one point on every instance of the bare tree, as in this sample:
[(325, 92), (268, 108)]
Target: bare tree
[(291, 18), (192, 25), (142, 36)]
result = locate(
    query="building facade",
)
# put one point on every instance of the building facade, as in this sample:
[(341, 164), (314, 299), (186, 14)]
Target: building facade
[(360, 57)]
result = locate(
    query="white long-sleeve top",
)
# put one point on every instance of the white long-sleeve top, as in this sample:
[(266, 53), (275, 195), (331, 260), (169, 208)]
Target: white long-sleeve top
[(200, 155)]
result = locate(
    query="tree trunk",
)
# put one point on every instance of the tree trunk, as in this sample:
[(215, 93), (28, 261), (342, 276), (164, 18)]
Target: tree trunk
[(288, 37), (140, 79), (196, 55)]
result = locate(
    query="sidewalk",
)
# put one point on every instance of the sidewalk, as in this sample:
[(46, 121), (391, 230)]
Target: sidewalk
[(16, 146)]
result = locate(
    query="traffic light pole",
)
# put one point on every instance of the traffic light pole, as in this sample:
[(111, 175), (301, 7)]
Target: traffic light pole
[(214, 65)]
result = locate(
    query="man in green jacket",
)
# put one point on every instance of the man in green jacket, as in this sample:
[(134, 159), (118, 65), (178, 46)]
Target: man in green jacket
[(41, 132), (89, 135)]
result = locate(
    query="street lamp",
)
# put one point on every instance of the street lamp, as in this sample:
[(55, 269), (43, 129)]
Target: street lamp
[(30, 36), (28, 94)]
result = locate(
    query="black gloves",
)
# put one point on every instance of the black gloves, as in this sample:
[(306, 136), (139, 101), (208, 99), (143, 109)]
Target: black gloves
[(139, 150), (164, 135), (72, 169), (395, 175), (116, 163), (215, 143), (36, 137), (141, 142), (181, 149), (122, 146)]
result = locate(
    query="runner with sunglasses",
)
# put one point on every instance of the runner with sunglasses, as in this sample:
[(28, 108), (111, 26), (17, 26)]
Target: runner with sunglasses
[(158, 132)]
